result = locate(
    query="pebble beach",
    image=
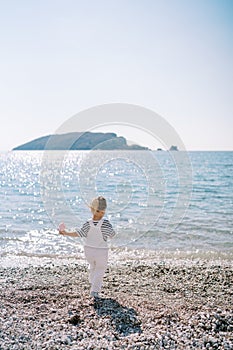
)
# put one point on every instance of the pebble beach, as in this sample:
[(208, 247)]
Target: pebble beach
[(144, 304)]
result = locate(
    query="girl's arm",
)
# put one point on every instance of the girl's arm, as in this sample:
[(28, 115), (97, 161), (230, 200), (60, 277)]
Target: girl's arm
[(62, 231), (77, 233), (70, 234)]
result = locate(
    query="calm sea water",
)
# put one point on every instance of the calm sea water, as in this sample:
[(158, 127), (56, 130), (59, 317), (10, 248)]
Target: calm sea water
[(157, 201)]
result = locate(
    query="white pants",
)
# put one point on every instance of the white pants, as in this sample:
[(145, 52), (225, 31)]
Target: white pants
[(98, 260)]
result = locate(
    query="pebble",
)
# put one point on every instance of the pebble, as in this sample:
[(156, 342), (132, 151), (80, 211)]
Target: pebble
[(155, 306)]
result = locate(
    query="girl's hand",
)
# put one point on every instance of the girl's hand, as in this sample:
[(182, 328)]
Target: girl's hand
[(61, 228)]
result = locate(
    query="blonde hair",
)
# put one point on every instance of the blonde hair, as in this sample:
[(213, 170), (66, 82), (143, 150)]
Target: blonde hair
[(99, 203)]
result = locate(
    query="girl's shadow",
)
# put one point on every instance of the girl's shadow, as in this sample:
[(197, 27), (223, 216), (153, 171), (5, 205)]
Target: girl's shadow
[(124, 319)]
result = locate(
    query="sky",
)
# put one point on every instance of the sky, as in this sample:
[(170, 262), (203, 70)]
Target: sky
[(175, 57)]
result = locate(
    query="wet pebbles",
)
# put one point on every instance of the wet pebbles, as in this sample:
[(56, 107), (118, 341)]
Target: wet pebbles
[(142, 306)]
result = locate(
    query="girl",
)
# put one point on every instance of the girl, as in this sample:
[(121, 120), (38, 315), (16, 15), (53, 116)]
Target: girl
[(96, 231)]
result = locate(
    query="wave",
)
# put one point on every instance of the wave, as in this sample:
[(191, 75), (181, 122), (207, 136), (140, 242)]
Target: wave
[(122, 256)]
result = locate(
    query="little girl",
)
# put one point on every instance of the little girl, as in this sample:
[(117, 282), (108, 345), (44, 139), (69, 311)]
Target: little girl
[(96, 231)]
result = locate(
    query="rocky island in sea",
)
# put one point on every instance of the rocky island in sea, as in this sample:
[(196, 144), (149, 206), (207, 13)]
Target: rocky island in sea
[(79, 141)]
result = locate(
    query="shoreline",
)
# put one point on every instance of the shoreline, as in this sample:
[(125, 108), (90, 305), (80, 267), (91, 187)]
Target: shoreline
[(144, 305), (118, 256)]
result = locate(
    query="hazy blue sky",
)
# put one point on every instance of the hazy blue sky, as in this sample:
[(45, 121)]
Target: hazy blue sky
[(175, 57)]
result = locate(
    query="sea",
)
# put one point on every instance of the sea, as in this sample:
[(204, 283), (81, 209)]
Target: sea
[(175, 204)]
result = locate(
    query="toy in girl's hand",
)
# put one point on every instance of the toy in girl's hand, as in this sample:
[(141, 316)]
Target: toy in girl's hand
[(61, 227)]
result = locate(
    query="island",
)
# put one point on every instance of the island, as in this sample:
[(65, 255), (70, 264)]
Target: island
[(173, 148), (79, 141)]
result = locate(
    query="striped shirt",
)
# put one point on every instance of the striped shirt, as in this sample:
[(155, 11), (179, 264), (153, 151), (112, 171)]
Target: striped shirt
[(106, 229)]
